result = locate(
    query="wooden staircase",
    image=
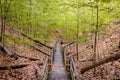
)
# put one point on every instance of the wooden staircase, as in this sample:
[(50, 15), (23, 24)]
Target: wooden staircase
[(57, 68)]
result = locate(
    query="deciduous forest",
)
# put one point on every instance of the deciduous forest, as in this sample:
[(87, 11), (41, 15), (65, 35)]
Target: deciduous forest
[(59, 39)]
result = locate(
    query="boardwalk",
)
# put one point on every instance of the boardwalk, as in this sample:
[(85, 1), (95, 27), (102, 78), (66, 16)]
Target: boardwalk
[(58, 68)]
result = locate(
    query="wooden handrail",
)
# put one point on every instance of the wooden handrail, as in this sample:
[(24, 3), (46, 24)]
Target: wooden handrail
[(73, 70), (52, 55), (73, 64), (64, 56), (72, 67), (44, 72)]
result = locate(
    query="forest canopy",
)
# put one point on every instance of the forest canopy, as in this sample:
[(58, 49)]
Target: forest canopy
[(38, 18)]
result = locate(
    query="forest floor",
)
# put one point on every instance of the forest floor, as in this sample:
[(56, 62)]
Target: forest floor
[(29, 72), (32, 68), (106, 44)]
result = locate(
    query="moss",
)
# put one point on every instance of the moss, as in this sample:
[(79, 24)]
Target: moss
[(4, 58), (16, 39)]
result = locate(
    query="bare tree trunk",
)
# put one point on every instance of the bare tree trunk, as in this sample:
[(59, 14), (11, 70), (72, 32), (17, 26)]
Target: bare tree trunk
[(2, 22), (77, 29), (40, 51), (95, 39), (40, 43), (119, 45), (13, 67), (17, 66), (106, 60)]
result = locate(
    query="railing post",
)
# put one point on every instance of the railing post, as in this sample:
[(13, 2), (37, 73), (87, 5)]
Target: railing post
[(52, 55), (73, 70), (64, 52), (44, 72)]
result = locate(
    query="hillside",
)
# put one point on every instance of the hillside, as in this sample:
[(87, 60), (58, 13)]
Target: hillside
[(75, 39)]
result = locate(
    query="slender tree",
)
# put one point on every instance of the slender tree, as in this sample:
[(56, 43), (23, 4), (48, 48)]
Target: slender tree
[(96, 33), (77, 29), (2, 22)]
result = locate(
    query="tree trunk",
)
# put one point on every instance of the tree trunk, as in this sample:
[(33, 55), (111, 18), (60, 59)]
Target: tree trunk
[(9, 53), (119, 45), (77, 30), (36, 41), (2, 22), (5, 49), (69, 44), (40, 50), (16, 66), (101, 62), (13, 67)]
